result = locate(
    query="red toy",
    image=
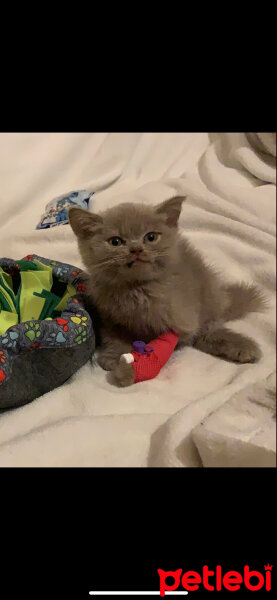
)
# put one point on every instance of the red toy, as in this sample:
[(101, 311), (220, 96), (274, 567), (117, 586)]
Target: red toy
[(148, 359)]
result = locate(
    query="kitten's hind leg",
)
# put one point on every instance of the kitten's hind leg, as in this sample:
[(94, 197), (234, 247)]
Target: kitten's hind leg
[(227, 344)]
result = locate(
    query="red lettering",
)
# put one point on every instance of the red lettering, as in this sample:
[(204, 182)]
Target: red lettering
[(163, 575), (206, 574), (248, 574), (218, 576), (268, 581), (231, 580), (190, 580)]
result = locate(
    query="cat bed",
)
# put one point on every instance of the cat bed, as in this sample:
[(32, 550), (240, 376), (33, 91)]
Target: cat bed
[(46, 334)]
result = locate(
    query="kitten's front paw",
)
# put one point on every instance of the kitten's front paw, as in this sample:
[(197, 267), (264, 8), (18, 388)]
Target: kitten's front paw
[(122, 375), (106, 361)]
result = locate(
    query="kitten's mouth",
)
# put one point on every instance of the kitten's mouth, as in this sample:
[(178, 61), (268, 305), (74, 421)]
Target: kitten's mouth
[(136, 260)]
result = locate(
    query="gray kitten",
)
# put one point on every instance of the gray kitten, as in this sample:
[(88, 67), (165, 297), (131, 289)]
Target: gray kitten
[(145, 279)]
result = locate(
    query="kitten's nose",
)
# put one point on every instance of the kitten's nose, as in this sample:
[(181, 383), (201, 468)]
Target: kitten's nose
[(135, 249)]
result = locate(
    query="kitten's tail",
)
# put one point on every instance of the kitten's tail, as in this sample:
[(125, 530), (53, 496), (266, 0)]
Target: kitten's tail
[(243, 299)]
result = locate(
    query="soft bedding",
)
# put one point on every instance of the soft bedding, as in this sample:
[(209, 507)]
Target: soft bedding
[(199, 411)]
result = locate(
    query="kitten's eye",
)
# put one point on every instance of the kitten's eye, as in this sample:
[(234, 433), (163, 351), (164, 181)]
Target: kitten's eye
[(151, 236), (115, 241)]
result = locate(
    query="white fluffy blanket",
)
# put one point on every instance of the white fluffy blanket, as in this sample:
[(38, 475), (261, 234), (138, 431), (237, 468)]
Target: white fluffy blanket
[(190, 415)]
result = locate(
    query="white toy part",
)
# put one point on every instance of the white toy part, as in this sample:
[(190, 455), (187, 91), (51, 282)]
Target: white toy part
[(128, 358)]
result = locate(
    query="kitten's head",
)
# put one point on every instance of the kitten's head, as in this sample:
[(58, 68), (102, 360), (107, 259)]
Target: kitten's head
[(129, 242)]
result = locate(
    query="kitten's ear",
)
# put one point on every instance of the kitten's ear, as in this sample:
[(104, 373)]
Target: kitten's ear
[(171, 208), (83, 222)]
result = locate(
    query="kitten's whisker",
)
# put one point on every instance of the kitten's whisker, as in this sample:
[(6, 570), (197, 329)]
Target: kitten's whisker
[(123, 260), (110, 261)]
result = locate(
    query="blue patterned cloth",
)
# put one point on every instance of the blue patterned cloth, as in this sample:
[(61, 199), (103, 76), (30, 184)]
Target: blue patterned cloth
[(56, 210)]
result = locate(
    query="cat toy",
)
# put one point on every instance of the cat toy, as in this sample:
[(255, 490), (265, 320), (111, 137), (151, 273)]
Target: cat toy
[(148, 359)]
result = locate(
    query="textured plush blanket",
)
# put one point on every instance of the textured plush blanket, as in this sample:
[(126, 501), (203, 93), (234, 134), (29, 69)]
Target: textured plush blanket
[(200, 410)]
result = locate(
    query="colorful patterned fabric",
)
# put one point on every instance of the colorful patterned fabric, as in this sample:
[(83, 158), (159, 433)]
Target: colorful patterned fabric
[(62, 342), (56, 210)]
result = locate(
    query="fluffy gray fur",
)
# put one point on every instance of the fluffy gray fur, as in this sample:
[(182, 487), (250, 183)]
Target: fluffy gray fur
[(143, 287)]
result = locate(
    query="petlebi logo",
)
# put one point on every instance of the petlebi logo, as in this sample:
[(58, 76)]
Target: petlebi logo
[(212, 581), (215, 580)]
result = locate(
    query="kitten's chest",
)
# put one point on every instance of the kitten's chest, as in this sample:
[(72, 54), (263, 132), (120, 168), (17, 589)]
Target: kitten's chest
[(140, 310)]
